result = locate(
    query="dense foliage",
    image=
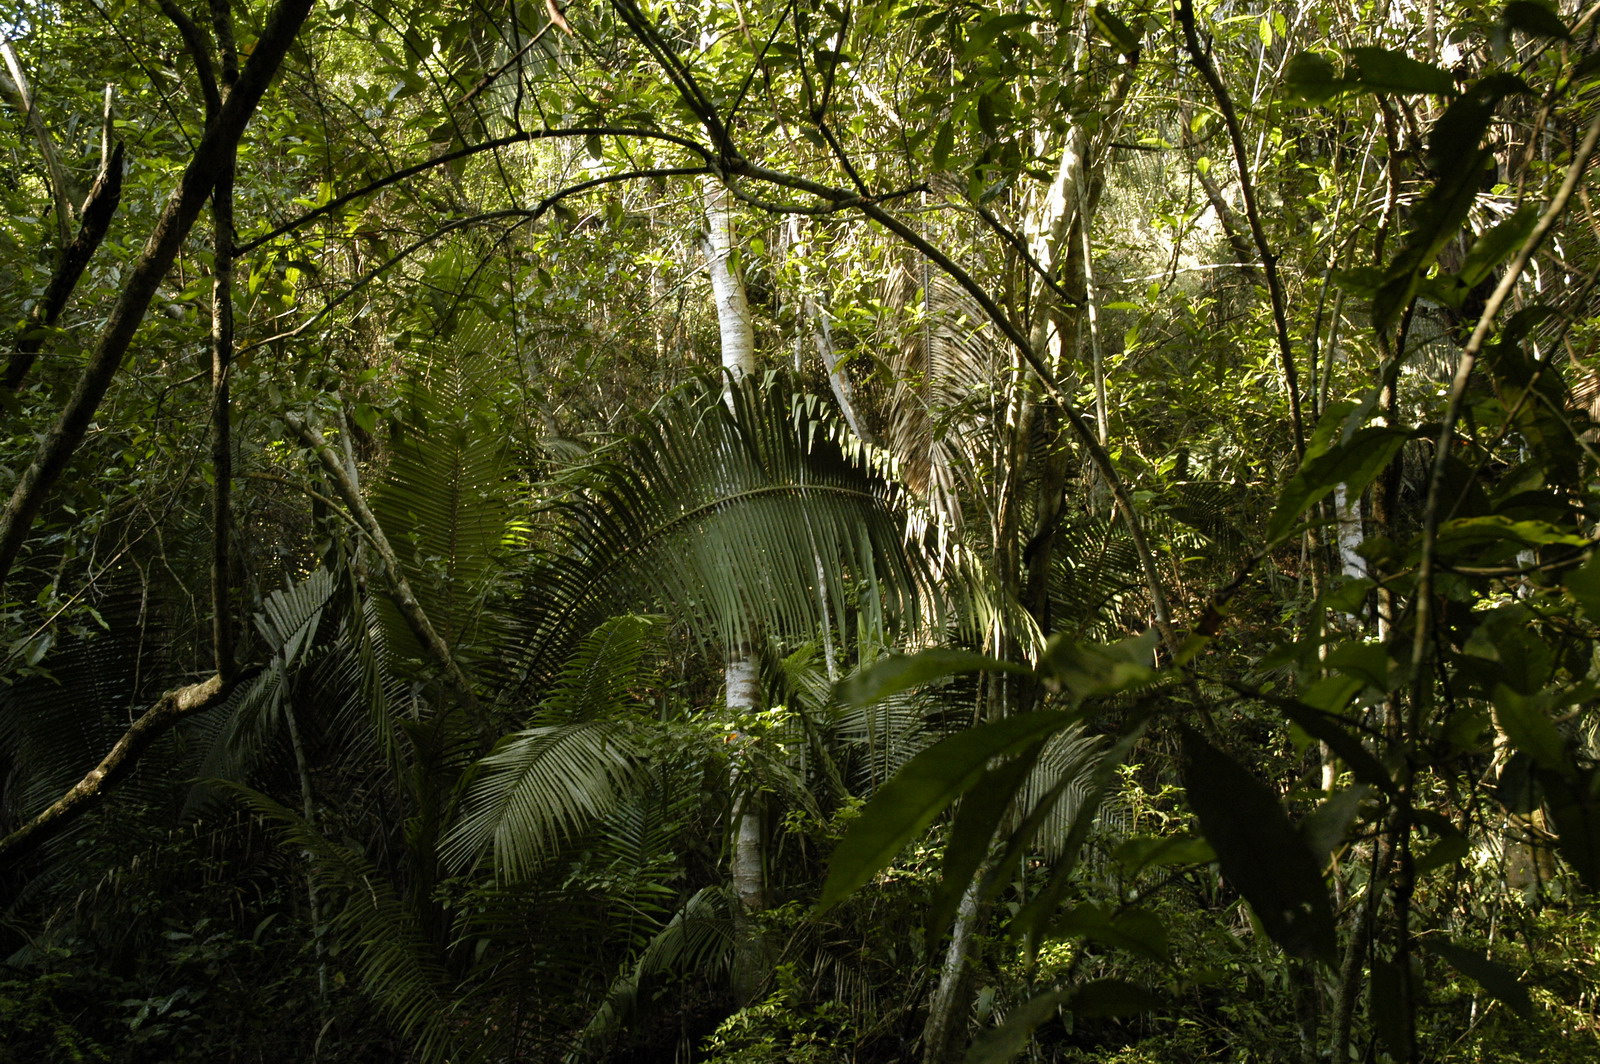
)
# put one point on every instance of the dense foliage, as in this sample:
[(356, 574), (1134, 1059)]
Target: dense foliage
[(799, 531)]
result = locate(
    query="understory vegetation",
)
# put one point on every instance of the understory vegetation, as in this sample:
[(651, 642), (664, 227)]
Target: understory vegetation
[(799, 531)]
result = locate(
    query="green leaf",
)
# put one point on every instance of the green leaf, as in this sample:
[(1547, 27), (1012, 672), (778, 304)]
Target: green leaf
[(991, 28), (1325, 828), (1090, 670), (1260, 851), (1136, 930), (1311, 79), (1492, 248), (1495, 978), (1153, 851), (1525, 720), (921, 790), (901, 672), (970, 835), (943, 144), (1353, 462), (1115, 30), (1458, 132), (1573, 799), (1535, 19), (1583, 584), (1004, 1042), (1382, 70)]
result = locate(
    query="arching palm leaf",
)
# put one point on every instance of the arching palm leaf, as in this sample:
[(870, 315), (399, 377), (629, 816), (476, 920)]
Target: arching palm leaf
[(751, 517), (541, 786)]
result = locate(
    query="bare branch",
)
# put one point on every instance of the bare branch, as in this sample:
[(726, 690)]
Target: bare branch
[(169, 709)]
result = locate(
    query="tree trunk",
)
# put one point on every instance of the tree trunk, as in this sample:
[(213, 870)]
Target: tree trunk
[(747, 859)]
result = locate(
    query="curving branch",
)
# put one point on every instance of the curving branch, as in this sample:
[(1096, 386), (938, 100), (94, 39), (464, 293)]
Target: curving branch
[(170, 708), (524, 137), (98, 209), (1201, 61)]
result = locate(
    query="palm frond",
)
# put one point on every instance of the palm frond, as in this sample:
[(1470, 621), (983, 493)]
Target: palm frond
[(232, 744), (752, 517), (444, 500), (699, 938), (399, 967), (537, 789), (1063, 777), (542, 786)]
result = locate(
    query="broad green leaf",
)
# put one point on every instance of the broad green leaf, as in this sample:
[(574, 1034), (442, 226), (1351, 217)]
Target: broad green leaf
[(1136, 930), (1458, 132), (1382, 70), (1449, 850), (992, 28), (944, 143), (1573, 799), (1490, 974), (1260, 851), (1003, 1043), (1115, 30), (1385, 994), (1311, 79), (1327, 825), (901, 672), (1491, 249), (921, 790), (1526, 720), (1583, 584), (1152, 851), (971, 834), (1535, 19), (1353, 462), (1090, 670)]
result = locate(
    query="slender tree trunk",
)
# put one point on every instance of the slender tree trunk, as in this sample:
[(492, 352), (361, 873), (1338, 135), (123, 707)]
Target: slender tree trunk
[(308, 810), (18, 93), (747, 860), (813, 309), (944, 1035), (221, 423), (222, 634)]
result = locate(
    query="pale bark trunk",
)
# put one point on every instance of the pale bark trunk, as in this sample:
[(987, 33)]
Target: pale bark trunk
[(746, 859), (727, 287), (943, 1036)]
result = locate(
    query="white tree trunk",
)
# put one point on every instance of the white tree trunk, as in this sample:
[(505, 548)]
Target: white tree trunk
[(746, 859), (814, 310), (727, 287)]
